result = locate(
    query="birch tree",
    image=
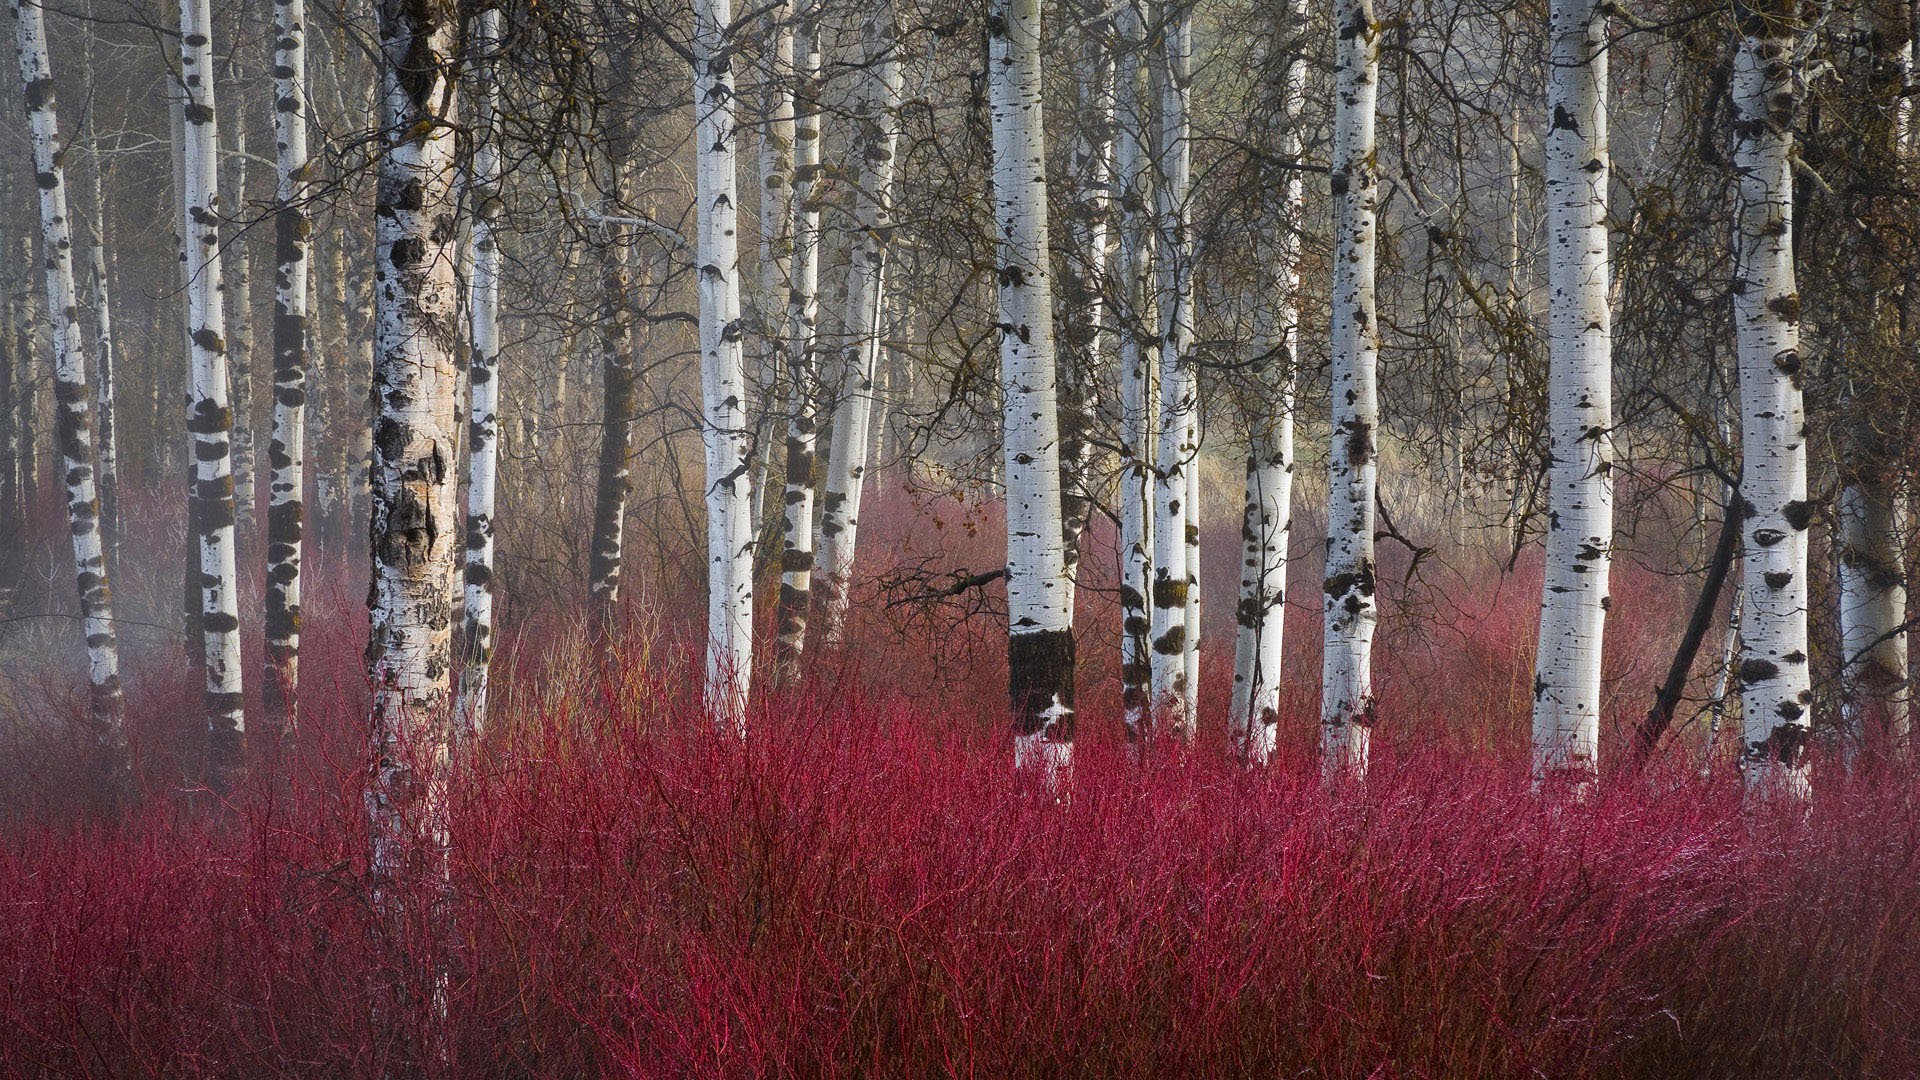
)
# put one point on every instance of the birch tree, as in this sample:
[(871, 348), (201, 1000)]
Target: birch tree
[(1867, 103), (73, 416), (803, 373), (614, 332), (483, 378), (209, 414), (287, 446), (1774, 681), (1566, 686), (1267, 522), (1040, 621), (237, 262), (1132, 190), (415, 382), (1175, 528), (1346, 701), (725, 429), (106, 425), (876, 131), (1083, 293)]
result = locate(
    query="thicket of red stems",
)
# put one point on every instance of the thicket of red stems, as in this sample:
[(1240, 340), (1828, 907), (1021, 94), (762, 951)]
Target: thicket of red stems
[(864, 888), (861, 891)]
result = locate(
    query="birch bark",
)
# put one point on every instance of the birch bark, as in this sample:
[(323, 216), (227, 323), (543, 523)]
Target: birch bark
[(209, 412), (73, 416), (1175, 532), (1132, 192), (803, 391), (1573, 607), (287, 447), (1775, 690), (1268, 520), (876, 132), (1346, 701), (414, 520), (725, 428), (483, 378), (1040, 620), (106, 424)]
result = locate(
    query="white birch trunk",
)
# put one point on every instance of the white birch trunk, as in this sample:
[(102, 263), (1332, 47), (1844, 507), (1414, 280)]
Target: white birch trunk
[(287, 448), (776, 242), (876, 132), (414, 516), (1040, 619), (209, 413), (1573, 607), (1268, 521), (803, 392), (1346, 695), (1873, 609), (614, 333), (483, 377), (725, 429), (73, 417), (106, 425), (1090, 161), (1175, 590), (1775, 691), (1132, 183), (238, 264)]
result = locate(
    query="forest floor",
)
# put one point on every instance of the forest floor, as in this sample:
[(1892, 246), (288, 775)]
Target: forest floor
[(864, 888)]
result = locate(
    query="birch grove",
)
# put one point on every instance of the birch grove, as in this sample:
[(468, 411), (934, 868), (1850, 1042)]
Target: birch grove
[(1077, 287)]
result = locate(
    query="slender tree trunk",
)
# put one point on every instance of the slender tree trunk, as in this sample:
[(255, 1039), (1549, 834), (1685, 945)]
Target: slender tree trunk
[(1091, 164), (414, 517), (209, 415), (775, 160), (12, 510), (1175, 636), (1346, 701), (73, 418), (1132, 181), (1774, 677), (803, 391), (1268, 521), (875, 134), (239, 268), (1872, 519), (723, 380), (106, 426), (483, 376), (615, 331), (1573, 607), (287, 450), (1873, 608), (1040, 643)]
